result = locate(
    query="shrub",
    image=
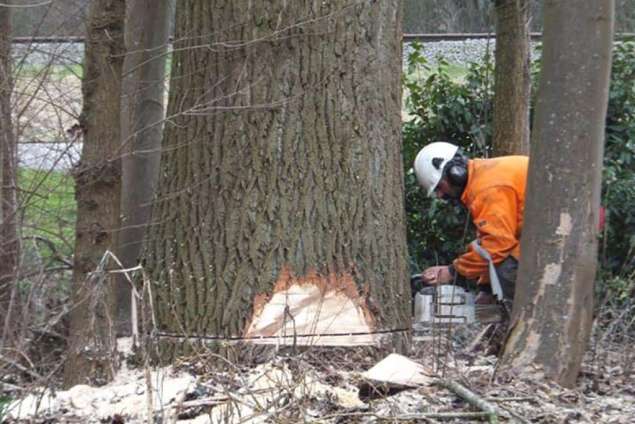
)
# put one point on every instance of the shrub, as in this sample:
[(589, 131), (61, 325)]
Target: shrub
[(451, 109)]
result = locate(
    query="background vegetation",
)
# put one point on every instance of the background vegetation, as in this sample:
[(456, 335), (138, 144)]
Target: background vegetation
[(458, 109)]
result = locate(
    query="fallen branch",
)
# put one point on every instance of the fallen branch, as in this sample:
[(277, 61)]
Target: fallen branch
[(197, 403), (411, 417), (492, 411)]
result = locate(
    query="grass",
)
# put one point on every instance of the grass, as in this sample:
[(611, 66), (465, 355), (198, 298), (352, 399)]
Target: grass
[(54, 71), (49, 208), (4, 407), (455, 71)]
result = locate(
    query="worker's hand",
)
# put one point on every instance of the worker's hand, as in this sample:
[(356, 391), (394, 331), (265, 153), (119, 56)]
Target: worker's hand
[(437, 275)]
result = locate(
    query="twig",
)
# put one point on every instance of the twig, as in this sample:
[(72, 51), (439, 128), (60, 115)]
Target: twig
[(8, 361), (197, 403), (512, 399)]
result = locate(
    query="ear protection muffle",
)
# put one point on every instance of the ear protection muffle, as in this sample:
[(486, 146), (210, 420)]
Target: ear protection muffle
[(456, 170)]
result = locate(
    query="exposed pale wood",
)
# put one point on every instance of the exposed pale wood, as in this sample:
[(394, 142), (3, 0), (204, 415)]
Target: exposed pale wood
[(305, 310), (398, 370)]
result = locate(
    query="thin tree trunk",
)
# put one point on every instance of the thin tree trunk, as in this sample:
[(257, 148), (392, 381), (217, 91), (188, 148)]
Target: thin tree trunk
[(98, 191), (554, 297), (512, 79), (141, 114), (9, 241), (281, 168)]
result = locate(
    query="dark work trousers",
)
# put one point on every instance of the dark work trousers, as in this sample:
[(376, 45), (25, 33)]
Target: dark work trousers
[(506, 271)]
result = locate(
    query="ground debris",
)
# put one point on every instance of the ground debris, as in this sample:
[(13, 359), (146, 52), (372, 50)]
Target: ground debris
[(311, 387)]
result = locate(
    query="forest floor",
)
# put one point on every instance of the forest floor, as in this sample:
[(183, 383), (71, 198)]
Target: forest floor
[(334, 386)]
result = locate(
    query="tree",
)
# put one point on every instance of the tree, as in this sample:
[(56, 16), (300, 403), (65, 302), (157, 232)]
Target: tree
[(421, 16), (141, 130), (553, 306), (97, 188), (511, 79), (281, 171), (9, 241)]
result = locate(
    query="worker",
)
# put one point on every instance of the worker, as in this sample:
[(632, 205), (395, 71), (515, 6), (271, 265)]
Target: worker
[(493, 190)]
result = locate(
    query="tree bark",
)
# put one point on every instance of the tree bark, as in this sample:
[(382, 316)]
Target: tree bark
[(554, 297), (142, 112), (281, 165), (512, 80), (98, 191), (9, 240)]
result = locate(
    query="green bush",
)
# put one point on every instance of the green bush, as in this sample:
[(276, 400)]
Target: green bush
[(618, 188), (444, 108)]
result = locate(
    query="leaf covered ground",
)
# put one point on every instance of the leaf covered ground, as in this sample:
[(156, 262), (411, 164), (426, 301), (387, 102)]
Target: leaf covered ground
[(329, 386)]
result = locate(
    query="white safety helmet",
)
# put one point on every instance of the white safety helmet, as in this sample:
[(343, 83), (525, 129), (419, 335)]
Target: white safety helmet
[(429, 164)]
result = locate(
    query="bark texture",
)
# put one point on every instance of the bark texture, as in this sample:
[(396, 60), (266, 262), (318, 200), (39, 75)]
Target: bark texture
[(98, 190), (281, 162), (553, 306), (9, 241), (142, 112), (512, 80)]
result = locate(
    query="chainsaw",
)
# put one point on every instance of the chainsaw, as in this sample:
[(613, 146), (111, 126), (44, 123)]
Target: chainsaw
[(454, 304)]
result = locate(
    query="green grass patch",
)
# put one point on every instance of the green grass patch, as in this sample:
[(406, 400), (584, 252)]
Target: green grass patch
[(49, 208), (52, 71), (455, 71)]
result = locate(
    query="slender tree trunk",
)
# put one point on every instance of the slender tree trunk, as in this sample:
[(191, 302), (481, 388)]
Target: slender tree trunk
[(281, 171), (9, 241), (512, 79), (98, 191), (141, 114), (554, 297)]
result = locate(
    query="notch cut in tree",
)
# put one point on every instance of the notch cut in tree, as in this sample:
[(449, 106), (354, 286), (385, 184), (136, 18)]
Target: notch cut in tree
[(281, 157), (553, 305), (313, 310)]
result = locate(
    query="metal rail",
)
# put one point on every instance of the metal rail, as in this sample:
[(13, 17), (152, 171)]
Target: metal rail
[(535, 36)]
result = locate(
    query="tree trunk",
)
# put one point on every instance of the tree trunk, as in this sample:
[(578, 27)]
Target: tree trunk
[(281, 172), (554, 297), (511, 79), (476, 16), (98, 190), (141, 129), (9, 241)]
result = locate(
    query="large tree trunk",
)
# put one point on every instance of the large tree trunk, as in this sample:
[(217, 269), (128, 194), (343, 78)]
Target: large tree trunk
[(281, 172), (512, 79), (98, 189), (9, 241), (554, 297), (141, 115)]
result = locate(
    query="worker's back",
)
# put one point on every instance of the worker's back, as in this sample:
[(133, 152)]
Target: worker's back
[(505, 172)]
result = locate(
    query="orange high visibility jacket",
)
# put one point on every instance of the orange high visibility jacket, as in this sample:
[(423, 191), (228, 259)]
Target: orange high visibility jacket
[(495, 196)]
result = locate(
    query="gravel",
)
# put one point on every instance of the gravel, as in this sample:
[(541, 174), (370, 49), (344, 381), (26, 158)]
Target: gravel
[(45, 156), (461, 52)]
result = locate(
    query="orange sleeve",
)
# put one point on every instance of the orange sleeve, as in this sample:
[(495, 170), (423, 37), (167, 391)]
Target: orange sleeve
[(494, 214)]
